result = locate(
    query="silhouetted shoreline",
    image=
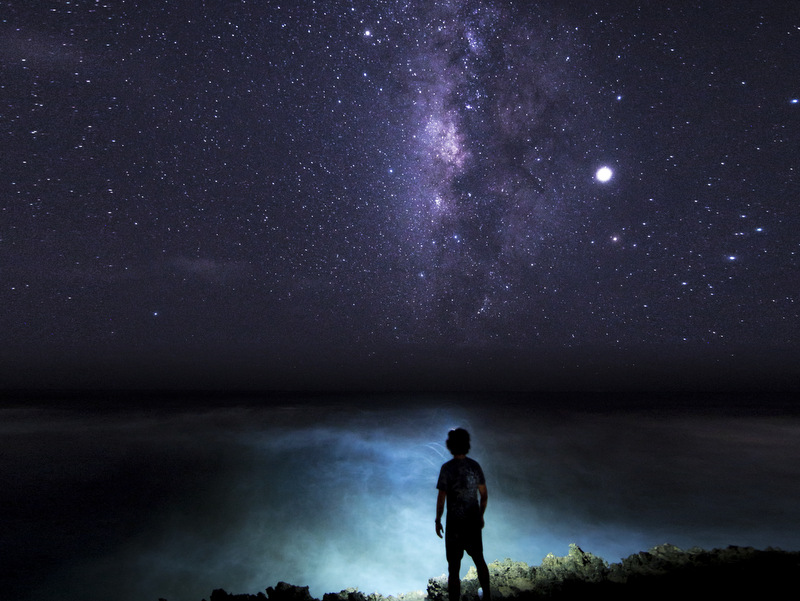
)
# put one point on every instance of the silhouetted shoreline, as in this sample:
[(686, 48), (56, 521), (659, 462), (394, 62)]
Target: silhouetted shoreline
[(663, 572)]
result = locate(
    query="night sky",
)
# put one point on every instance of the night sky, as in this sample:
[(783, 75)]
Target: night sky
[(352, 193)]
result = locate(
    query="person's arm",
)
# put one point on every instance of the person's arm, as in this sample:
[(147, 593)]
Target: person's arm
[(439, 512), (484, 499)]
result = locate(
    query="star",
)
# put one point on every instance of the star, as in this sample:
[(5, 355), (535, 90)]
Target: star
[(604, 174)]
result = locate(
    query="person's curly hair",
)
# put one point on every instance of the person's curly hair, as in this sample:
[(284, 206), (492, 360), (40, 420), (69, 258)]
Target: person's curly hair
[(458, 441)]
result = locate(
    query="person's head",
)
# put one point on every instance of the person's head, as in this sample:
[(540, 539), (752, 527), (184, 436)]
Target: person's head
[(458, 441)]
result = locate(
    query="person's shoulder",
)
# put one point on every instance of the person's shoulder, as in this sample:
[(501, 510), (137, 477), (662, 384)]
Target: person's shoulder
[(474, 465)]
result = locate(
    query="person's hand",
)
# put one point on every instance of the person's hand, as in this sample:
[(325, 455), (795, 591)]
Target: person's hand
[(482, 522), (439, 529)]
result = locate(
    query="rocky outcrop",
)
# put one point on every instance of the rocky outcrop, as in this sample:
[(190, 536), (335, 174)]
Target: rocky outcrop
[(664, 572), (352, 594), (731, 573), (289, 592), (515, 579)]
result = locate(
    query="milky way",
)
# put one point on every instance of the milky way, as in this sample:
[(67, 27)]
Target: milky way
[(299, 182), (499, 163)]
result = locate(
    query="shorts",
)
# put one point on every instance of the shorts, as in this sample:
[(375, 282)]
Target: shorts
[(458, 540)]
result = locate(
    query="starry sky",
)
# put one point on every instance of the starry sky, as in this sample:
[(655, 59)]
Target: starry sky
[(310, 193)]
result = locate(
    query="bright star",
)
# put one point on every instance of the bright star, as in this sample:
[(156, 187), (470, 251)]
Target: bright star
[(604, 174)]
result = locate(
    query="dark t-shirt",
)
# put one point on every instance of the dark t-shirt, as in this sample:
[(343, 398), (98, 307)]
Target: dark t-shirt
[(460, 478)]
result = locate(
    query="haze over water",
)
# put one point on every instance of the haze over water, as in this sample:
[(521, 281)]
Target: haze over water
[(139, 500)]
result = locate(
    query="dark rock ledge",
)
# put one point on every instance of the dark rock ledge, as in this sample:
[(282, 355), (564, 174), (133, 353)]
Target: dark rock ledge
[(664, 572)]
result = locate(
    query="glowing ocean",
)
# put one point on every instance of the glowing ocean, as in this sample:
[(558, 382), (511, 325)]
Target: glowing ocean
[(133, 499)]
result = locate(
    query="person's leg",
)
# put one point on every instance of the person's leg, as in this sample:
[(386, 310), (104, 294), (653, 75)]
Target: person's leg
[(483, 576), (454, 554), (474, 548)]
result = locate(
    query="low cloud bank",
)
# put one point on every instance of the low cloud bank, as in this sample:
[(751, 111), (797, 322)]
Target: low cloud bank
[(141, 498)]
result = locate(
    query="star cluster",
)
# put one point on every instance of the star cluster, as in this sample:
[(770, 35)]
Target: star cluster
[(348, 176)]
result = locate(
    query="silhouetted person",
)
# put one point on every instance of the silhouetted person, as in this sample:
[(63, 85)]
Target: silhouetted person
[(461, 482)]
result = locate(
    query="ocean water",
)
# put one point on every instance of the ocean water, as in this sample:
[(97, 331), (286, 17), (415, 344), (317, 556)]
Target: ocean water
[(140, 498)]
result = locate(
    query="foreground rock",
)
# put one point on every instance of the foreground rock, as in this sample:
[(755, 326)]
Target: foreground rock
[(664, 572)]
